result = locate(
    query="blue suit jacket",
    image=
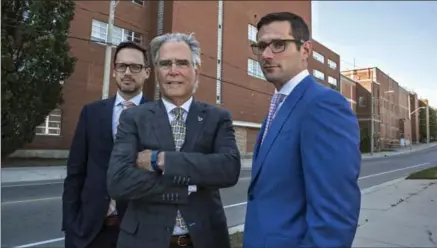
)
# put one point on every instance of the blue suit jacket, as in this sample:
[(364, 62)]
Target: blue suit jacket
[(304, 190), (85, 198)]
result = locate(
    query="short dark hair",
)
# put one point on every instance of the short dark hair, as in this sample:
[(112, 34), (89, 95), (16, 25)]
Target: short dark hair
[(299, 28), (132, 45)]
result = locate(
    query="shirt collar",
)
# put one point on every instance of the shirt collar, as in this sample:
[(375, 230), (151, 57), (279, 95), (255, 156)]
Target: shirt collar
[(293, 82), (136, 99), (169, 106)]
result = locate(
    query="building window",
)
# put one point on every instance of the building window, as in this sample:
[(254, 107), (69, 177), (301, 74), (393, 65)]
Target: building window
[(51, 125), (140, 2), (99, 32), (317, 56), (361, 101), (252, 32), (254, 69), (318, 74), (332, 80), (332, 64)]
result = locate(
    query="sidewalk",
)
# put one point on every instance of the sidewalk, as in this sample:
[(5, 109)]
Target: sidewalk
[(42, 173), (400, 213)]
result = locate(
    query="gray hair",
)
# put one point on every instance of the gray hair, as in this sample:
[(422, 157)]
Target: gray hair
[(190, 40)]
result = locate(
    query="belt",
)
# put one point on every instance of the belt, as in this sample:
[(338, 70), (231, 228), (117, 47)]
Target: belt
[(181, 240), (112, 220)]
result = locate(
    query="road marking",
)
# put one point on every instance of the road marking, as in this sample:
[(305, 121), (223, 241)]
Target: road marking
[(225, 207), (32, 200), (387, 172), (40, 243), (24, 184)]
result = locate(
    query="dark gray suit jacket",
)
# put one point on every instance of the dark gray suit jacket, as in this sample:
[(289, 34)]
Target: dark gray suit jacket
[(209, 159)]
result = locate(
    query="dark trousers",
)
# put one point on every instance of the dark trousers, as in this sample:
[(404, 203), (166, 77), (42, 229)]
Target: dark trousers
[(107, 237)]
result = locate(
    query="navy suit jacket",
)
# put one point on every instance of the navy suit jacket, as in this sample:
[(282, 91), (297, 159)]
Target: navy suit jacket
[(304, 190), (85, 199)]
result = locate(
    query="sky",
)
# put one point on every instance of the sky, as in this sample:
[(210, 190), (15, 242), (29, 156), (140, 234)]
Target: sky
[(399, 37)]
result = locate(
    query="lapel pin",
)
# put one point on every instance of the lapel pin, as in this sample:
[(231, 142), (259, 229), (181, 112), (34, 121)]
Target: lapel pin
[(199, 118)]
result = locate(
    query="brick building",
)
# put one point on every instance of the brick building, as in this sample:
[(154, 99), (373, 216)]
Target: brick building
[(325, 65), (391, 104), (348, 88), (230, 75)]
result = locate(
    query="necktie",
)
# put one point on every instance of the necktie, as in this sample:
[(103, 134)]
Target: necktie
[(276, 100), (179, 129), (112, 207)]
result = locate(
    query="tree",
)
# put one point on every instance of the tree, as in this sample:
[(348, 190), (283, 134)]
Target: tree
[(35, 59), (432, 124)]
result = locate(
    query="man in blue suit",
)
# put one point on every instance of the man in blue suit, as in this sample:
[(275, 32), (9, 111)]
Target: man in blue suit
[(90, 218), (304, 190)]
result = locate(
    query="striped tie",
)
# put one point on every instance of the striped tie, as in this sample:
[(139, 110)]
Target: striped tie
[(276, 100)]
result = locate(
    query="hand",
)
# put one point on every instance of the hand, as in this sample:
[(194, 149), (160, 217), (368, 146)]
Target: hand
[(144, 160)]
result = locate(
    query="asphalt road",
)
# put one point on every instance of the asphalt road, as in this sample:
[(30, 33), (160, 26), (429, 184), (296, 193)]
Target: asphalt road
[(31, 213)]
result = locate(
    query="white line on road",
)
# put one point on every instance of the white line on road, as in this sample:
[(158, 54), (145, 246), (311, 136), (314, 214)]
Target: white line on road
[(32, 200), (40, 243), (225, 207), (387, 172)]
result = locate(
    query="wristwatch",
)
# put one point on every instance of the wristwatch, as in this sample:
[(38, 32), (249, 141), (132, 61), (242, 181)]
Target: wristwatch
[(154, 161)]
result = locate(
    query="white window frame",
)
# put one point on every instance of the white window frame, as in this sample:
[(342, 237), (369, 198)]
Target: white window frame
[(45, 126), (254, 69), (332, 80), (319, 57), (332, 64), (118, 34), (137, 2), (318, 74), (251, 32)]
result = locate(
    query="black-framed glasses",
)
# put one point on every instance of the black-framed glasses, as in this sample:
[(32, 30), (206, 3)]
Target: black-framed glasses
[(277, 46), (179, 63), (134, 68)]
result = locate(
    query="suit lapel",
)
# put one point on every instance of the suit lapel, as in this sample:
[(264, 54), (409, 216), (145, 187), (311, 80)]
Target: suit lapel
[(161, 126), (194, 125), (275, 127), (258, 140), (106, 120)]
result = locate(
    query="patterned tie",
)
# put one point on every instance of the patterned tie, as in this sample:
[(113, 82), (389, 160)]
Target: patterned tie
[(112, 207), (179, 129), (276, 100)]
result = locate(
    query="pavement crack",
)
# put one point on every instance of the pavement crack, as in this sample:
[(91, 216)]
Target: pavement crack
[(430, 237)]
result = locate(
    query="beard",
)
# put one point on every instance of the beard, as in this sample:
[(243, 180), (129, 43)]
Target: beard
[(128, 88)]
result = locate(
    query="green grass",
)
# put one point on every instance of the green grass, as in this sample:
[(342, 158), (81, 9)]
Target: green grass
[(430, 173), (237, 240)]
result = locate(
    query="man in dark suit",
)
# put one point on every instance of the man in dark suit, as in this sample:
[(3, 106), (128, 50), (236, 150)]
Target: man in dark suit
[(172, 156), (90, 217)]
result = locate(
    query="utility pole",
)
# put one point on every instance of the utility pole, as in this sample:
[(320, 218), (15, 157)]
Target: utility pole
[(427, 122), (372, 126), (108, 52)]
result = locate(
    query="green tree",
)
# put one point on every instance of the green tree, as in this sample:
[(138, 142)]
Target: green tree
[(432, 124), (35, 59)]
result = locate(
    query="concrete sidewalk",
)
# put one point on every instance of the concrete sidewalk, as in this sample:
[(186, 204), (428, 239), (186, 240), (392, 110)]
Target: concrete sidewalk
[(400, 213), (46, 173)]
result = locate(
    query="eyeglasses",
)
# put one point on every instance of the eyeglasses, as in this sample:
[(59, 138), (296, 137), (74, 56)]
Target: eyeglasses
[(179, 63), (277, 46), (134, 68)]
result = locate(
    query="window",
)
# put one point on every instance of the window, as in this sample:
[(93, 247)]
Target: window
[(319, 74), (252, 32), (361, 101), (140, 2), (52, 124), (317, 56), (254, 69), (332, 64), (99, 32), (332, 80)]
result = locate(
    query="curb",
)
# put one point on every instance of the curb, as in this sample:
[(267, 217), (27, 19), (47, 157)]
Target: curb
[(235, 229), (382, 185)]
